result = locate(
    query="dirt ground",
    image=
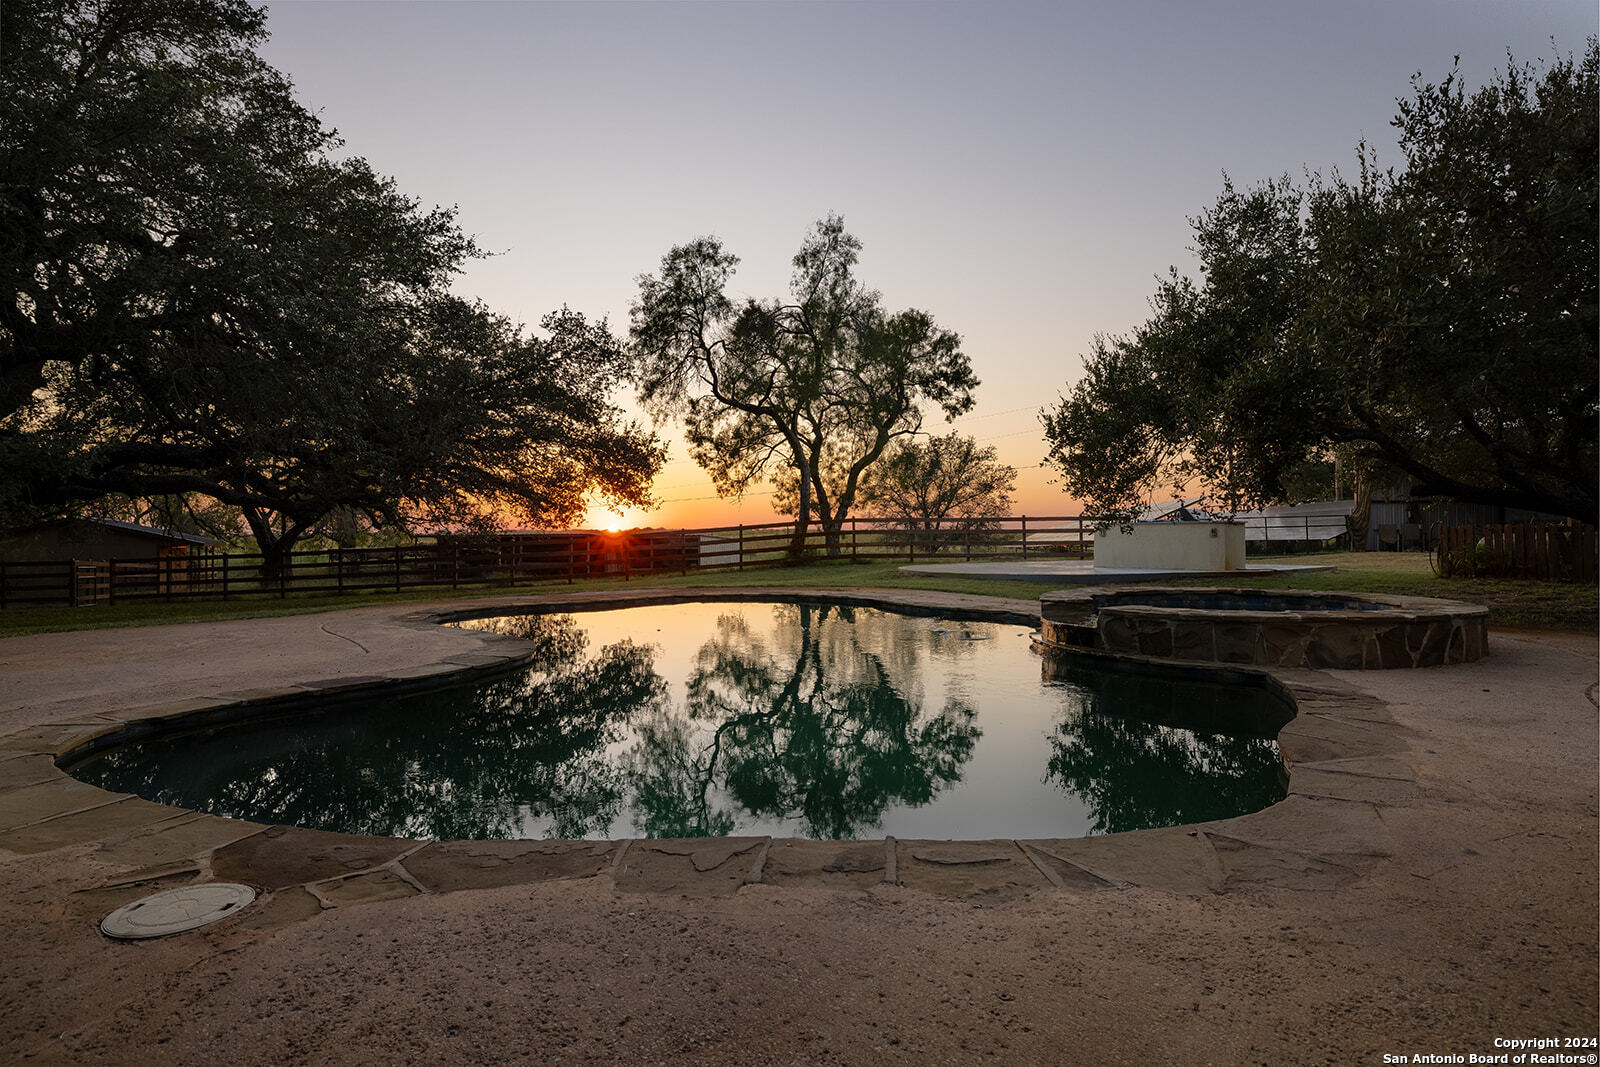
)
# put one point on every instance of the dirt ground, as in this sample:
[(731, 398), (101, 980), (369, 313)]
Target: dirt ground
[(1478, 923)]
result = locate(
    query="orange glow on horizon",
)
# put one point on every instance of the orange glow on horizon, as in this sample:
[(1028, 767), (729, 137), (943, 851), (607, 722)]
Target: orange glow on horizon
[(687, 500), (1037, 499)]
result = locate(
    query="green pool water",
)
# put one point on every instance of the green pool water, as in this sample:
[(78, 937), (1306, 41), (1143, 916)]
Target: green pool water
[(710, 719)]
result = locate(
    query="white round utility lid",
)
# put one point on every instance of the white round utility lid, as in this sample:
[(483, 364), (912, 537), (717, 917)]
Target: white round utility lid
[(176, 910)]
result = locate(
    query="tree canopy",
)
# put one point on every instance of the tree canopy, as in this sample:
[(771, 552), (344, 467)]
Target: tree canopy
[(805, 393), (1438, 320), (939, 484), (203, 298)]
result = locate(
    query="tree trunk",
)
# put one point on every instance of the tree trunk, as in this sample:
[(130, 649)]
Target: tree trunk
[(1360, 516), (833, 536), (802, 521), (274, 547)]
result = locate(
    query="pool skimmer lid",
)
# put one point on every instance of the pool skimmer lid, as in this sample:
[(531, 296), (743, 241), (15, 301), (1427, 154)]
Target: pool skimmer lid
[(175, 910)]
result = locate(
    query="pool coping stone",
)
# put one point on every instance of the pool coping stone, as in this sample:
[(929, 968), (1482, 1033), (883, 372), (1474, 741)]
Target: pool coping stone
[(1340, 735)]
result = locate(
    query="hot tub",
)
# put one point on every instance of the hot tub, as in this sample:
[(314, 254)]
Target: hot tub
[(1267, 627)]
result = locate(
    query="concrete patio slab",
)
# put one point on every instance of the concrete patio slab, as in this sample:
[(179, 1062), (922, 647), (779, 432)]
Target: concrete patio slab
[(1313, 780), (364, 889), (1174, 860), (837, 865), (970, 870), (450, 866), (693, 867), (24, 769), (84, 827), (284, 856), (174, 709), (34, 803), (56, 738), (1316, 826), (280, 909), (176, 839), (1084, 572)]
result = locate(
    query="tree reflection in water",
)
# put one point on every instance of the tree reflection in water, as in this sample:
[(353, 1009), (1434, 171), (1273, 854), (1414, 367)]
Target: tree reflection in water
[(807, 727), (1144, 751), (516, 755), (801, 719)]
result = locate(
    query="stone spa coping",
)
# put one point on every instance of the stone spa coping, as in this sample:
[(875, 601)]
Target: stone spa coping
[(1345, 754), (1268, 627)]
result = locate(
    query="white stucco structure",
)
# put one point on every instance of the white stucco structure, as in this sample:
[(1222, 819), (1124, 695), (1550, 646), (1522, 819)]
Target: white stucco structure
[(1172, 546)]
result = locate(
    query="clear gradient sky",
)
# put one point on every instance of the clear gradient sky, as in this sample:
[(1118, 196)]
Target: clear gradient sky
[(1021, 171)]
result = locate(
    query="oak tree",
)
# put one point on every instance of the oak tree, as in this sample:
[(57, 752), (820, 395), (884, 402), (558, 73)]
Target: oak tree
[(806, 392), (204, 297), (1438, 320)]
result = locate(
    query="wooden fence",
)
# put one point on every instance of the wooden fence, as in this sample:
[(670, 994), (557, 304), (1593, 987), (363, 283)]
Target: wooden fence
[(1549, 552), (513, 559)]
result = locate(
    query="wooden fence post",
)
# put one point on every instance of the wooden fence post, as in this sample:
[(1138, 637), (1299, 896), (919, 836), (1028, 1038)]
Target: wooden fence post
[(2, 585), (1024, 537), (111, 580), (396, 568)]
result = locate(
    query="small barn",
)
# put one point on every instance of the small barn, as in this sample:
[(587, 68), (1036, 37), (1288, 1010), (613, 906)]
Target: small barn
[(77, 561), (68, 539)]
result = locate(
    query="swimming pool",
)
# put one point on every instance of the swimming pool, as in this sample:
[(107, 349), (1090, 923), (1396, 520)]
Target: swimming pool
[(804, 719)]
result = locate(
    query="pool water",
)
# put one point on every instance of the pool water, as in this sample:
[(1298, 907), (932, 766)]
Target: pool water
[(710, 719)]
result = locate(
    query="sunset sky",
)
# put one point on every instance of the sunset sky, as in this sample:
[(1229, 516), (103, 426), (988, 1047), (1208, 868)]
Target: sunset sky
[(1021, 171)]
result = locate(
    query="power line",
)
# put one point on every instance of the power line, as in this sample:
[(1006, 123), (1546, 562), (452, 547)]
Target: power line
[(994, 414), (958, 419), (771, 492)]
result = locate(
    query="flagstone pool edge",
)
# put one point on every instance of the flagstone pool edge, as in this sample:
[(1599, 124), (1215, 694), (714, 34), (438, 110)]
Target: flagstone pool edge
[(1345, 754)]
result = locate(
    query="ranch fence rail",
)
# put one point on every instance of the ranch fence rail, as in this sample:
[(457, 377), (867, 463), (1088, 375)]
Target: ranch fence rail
[(1548, 552), (524, 558)]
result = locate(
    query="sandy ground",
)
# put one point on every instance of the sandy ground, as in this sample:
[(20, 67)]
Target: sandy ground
[(1480, 923)]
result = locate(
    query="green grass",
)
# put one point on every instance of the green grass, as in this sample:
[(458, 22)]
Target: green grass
[(1533, 605), (1522, 604), (18, 621)]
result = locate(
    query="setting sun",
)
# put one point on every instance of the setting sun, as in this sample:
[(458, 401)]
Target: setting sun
[(612, 520)]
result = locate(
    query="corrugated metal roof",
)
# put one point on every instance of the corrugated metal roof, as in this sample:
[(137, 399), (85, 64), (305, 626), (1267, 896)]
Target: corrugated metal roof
[(151, 531), (1321, 520)]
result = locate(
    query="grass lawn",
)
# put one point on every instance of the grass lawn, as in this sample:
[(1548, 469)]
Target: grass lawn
[(1528, 605), (1533, 605)]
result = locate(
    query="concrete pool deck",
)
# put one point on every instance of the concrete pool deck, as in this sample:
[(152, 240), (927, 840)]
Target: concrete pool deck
[(1429, 886), (1083, 572)]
